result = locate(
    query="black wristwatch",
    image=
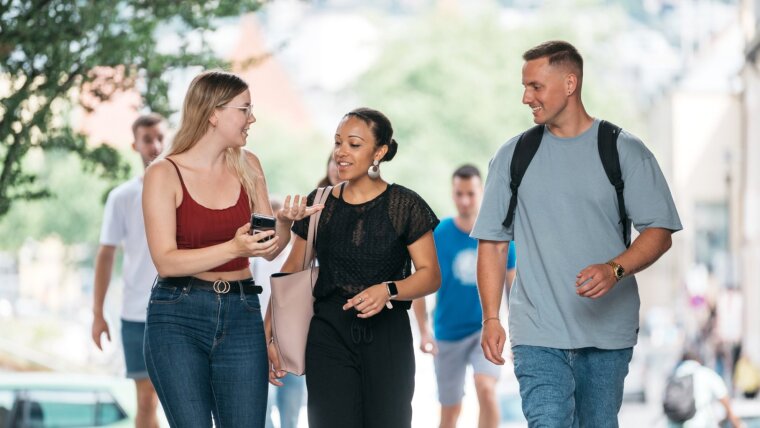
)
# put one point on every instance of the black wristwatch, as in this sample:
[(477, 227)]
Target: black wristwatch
[(392, 293), (392, 289)]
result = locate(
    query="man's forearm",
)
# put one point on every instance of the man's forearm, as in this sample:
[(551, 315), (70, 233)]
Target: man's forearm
[(420, 313), (103, 268), (649, 246), (492, 259)]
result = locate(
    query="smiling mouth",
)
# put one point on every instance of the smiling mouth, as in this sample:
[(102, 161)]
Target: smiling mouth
[(535, 109)]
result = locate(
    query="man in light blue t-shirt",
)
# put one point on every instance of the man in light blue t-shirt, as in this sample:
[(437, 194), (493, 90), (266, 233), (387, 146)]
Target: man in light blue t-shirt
[(457, 316), (574, 306)]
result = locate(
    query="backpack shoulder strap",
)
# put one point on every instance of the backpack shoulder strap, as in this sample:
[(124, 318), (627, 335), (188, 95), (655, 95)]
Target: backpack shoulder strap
[(525, 149), (607, 143)]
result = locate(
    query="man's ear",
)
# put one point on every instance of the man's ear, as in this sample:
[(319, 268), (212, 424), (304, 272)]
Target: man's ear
[(571, 83)]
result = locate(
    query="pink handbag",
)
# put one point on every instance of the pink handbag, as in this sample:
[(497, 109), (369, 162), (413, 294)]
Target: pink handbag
[(292, 301)]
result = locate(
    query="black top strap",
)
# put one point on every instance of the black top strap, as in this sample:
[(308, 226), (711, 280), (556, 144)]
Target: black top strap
[(526, 147), (607, 143)]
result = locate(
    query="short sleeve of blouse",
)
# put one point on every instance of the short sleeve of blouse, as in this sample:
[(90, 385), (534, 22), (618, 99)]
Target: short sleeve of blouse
[(412, 216), (301, 227)]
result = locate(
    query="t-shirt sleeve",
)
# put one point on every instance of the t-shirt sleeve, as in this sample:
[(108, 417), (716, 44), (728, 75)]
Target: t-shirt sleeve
[(420, 218), (493, 209), (301, 227), (717, 387), (511, 256), (113, 230), (647, 196)]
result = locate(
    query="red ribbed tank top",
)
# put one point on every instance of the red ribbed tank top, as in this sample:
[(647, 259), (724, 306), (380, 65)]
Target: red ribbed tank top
[(200, 227)]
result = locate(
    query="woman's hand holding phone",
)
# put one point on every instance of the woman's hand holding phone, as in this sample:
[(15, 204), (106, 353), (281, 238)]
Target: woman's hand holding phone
[(254, 245)]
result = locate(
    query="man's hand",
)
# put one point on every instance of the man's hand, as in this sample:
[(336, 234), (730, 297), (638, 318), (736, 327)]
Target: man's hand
[(428, 344), (595, 281), (492, 341), (99, 326)]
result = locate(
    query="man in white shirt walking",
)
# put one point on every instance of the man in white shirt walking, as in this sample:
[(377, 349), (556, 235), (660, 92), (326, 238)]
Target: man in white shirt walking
[(708, 388), (123, 226)]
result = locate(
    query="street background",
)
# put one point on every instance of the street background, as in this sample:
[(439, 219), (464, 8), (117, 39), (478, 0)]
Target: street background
[(681, 74)]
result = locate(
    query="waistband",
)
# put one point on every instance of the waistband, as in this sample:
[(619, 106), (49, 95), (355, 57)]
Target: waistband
[(248, 286)]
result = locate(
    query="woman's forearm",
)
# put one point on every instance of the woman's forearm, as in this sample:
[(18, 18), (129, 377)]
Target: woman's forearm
[(178, 262), (425, 280)]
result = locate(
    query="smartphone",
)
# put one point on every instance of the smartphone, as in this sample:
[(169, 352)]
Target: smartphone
[(262, 223)]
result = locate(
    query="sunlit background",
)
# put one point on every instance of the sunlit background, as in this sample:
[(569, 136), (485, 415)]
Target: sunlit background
[(681, 74)]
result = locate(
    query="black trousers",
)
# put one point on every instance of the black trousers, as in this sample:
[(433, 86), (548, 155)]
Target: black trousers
[(359, 372)]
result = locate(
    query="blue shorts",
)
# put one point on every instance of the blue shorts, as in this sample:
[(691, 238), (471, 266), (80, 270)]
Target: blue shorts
[(132, 334)]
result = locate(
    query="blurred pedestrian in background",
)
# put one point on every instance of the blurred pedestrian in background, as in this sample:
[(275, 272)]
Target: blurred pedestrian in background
[(457, 315), (289, 397), (708, 387), (123, 227)]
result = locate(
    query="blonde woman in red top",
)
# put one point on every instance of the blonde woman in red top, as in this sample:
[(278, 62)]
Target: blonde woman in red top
[(204, 340)]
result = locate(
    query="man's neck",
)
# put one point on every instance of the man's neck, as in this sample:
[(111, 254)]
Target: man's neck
[(573, 122), (465, 224)]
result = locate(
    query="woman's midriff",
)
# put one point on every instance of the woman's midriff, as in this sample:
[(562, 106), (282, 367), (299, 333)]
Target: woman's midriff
[(234, 275)]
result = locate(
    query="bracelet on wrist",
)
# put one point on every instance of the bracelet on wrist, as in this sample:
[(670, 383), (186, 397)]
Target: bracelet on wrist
[(489, 319)]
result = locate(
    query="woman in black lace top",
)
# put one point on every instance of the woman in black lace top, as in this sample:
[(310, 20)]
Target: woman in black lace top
[(359, 355)]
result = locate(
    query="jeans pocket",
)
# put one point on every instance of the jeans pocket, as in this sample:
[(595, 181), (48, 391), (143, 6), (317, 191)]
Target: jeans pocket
[(251, 302), (167, 294)]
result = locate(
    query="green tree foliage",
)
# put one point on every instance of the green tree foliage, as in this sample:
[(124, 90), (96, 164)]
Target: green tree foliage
[(54, 51), (73, 211), (451, 85)]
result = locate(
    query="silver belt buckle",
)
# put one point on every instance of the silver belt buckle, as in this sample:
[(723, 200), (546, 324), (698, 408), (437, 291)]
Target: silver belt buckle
[(221, 286)]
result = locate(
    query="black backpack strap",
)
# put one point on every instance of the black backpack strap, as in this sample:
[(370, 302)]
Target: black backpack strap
[(607, 142), (525, 149)]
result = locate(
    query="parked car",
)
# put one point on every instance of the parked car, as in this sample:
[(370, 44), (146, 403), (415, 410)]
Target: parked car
[(41, 400)]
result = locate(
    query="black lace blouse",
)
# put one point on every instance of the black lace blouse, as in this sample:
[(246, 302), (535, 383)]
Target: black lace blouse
[(365, 244)]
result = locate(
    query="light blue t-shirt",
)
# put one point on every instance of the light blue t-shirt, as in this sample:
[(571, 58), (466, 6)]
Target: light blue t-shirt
[(567, 219), (457, 311)]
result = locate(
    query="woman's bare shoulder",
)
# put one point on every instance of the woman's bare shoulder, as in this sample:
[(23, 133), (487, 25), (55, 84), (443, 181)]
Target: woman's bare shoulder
[(161, 171)]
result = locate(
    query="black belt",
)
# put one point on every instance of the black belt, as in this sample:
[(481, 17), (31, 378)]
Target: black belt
[(219, 286)]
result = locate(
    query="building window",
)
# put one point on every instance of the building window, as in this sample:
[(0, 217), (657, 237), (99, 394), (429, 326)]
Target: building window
[(711, 225)]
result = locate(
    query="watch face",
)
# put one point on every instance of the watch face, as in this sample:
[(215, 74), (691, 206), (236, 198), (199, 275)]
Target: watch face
[(392, 290), (619, 272)]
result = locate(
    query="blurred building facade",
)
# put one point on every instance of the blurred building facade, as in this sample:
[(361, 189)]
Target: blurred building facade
[(750, 179)]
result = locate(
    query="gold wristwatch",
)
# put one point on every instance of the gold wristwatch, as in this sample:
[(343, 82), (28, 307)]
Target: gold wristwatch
[(617, 270)]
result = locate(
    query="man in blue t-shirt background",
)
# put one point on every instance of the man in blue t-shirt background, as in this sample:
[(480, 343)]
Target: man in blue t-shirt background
[(457, 317)]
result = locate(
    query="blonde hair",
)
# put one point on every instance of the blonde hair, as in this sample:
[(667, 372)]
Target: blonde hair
[(208, 91)]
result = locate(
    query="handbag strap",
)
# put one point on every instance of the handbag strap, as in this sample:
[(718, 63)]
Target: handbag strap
[(320, 198)]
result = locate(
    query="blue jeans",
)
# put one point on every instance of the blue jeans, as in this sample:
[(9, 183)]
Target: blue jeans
[(206, 355), (289, 399), (571, 387)]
